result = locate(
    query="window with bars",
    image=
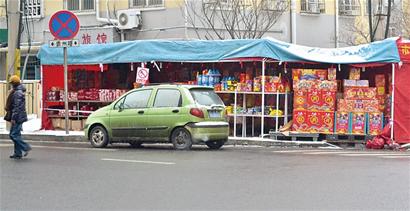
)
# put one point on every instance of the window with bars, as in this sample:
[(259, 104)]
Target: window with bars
[(80, 5), (349, 7), (33, 8), (312, 6), (146, 3)]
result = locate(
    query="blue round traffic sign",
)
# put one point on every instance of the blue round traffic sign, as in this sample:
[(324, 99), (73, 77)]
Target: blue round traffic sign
[(64, 25)]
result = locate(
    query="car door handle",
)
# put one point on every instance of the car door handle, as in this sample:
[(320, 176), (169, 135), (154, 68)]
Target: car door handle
[(140, 112), (175, 111)]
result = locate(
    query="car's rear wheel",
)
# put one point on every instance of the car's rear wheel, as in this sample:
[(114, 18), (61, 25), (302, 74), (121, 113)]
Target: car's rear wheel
[(181, 139), (99, 137), (217, 144), (135, 144)]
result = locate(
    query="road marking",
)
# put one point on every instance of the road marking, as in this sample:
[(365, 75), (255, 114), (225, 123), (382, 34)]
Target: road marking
[(299, 151), (398, 156), (55, 147), (139, 161), (326, 153), (370, 154)]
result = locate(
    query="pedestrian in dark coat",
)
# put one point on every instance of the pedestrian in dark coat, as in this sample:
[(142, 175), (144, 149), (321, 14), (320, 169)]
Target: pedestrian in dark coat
[(16, 105)]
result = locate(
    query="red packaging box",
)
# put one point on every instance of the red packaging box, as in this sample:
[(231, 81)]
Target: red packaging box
[(345, 105), (328, 120), (358, 123), (329, 100), (342, 122), (296, 74), (371, 105), (299, 100), (375, 123), (314, 121), (360, 93), (314, 100), (321, 74), (331, 73), (328, 86), (380, 80), (299, 121), (354, 74)]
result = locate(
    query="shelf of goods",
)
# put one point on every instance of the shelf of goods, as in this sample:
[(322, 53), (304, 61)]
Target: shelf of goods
[(261, 114), (78, 112)]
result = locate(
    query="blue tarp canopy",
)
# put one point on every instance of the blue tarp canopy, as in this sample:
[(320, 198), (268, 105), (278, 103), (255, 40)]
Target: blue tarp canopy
[(384, 51)]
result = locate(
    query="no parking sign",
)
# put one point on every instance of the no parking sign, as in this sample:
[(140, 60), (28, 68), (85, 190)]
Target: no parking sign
[(142, 75)]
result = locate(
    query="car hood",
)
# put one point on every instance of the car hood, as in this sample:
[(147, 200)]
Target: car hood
[(100, 112)]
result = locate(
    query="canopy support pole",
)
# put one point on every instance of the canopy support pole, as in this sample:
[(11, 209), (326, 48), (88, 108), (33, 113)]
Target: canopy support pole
[(392, 102)]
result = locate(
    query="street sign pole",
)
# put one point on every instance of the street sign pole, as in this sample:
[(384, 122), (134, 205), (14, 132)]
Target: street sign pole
[(64, 26), (66, 89)]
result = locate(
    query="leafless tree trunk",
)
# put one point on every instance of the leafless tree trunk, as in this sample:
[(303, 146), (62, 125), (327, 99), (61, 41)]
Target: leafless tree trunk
[(233, 19)]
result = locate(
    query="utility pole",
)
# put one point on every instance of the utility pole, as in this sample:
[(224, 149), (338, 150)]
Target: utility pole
[(13, 55)]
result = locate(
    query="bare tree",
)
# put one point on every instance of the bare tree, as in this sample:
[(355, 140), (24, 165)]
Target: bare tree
[(233, 19), (385, 19)]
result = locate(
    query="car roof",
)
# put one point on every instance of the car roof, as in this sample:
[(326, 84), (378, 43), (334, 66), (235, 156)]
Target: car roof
[(187, 86)]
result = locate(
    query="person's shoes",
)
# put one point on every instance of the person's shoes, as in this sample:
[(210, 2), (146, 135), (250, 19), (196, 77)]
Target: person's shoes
[(26, 152), (15, 156)]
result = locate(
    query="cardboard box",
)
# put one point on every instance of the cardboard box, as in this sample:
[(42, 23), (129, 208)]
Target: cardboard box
[(349, 83), (59, 123), (299, 121), (342, 122), (375, 123), (362, 83), (299, 100), (329, 100), (76, 125), (358, 123), (328, 120), (314, 121), (314, 100), (371, 105), (345, 105)]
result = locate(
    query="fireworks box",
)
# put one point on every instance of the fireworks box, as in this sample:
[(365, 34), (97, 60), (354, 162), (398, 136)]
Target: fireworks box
[(299, 121), (299, 100), (360, 93), (342, 122), (331, 73), (328, 120), (375, 123), (314, 121), (345, 105), (349, 83), (354, 74), (329, 100), (380, 80), (358, 123), (314, 100), (328, 86), (321, 74)]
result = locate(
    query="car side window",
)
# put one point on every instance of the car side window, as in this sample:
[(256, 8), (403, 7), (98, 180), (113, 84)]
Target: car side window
[(137, 99), (168, 98), (119, 103)]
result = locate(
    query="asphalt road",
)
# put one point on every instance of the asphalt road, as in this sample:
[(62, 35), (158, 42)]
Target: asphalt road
[(77, 177)]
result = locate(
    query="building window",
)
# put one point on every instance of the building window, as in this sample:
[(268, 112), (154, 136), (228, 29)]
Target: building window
[(80, 5), (349, 7), (32, 68), (32, 8), (312, 6), (147, 3)]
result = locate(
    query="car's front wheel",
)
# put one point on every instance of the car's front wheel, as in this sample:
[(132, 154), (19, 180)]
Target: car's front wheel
[(215, 144), (181, 139), (99, 137)]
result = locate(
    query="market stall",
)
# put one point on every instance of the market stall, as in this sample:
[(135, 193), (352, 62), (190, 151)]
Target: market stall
[(262, 79)]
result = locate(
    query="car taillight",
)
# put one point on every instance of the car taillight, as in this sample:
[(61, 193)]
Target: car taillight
[(196, 112)]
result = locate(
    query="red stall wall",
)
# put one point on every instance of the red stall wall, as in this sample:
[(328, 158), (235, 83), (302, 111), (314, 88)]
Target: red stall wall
[(402, 104)]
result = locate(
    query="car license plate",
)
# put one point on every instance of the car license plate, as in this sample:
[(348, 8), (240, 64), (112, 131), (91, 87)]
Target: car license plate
[(214, 114)]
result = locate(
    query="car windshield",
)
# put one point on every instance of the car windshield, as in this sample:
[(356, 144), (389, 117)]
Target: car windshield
[(206, 97)]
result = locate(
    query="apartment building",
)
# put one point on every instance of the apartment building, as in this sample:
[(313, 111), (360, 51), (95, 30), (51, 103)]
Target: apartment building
[(320, 23)]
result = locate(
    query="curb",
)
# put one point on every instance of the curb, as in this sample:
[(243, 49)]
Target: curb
[(57, 138)]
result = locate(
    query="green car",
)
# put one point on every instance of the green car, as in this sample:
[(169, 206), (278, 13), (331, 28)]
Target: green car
[(180, 114)]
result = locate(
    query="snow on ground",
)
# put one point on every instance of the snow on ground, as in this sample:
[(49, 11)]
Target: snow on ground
[(33, 126)]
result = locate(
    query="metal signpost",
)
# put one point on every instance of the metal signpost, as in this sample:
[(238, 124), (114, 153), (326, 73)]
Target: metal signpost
[(64, 26)]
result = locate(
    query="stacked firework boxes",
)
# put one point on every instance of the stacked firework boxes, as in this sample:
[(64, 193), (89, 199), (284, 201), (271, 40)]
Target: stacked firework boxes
[(314, 100), (359, 112)]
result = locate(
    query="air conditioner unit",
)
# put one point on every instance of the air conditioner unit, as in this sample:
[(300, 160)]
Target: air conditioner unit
[(129, 19)]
